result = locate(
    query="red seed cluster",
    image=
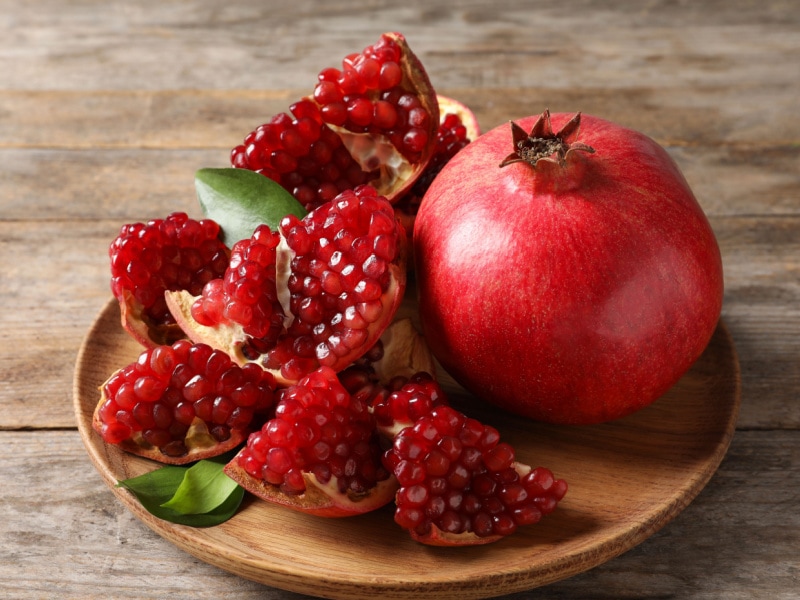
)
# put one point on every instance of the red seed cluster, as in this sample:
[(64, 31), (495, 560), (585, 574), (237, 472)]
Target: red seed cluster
[(450, 138), (456, 475), (343, 252), (247, 294), (303, 154), (415, 399), (318, 429), (367, 95), (176, 253), (157, 398)]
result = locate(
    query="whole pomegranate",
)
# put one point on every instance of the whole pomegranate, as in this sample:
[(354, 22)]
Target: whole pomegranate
[(569, 279)]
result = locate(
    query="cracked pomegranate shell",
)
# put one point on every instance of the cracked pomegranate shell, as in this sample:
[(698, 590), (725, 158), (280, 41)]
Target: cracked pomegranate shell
[(147, 259), (319, 292), (184, 402), (319, 454), (373, 120)]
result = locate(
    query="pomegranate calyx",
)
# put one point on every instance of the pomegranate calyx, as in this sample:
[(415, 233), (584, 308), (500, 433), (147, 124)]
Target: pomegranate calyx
[(542, 144)]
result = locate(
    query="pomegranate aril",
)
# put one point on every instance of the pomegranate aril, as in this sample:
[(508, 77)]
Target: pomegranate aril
[(334, 113), (384, 115), (359, 112), (317, 429), (333, 298), (115, 432), (415, 139), (169, 387), (486, 498), (371, 94), (390, 76)]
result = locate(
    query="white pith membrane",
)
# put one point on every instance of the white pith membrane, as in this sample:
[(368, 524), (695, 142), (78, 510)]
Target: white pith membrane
[(375, 152), (349, 501), (283, 270)]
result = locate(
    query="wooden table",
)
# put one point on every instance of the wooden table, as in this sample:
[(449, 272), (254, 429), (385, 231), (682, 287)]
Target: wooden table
[(107, 109)]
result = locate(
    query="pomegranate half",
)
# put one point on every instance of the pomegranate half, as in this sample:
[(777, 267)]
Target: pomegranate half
[(571, 277)]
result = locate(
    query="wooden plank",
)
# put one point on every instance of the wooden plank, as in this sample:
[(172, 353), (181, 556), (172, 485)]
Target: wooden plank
[(755, 115), (139, 184), (734, 541), (196, 45), (116, 185)]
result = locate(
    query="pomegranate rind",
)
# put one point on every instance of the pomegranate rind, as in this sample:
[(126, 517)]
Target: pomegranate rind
[(199, 442), (415, 79), (437, 537), (319, 499), (405, 352), (141, 329), (450, 106)]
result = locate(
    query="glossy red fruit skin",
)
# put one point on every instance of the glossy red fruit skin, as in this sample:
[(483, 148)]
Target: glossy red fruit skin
[(570, 294)]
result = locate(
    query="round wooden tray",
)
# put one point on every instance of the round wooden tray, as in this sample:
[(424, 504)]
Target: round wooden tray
[(627, 479)]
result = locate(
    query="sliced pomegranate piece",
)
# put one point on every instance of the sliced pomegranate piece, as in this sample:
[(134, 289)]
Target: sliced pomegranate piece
[(457, 128), (181, 403), (320, 454), (319, 292), (373, 120), (175, 253), (460, 485)]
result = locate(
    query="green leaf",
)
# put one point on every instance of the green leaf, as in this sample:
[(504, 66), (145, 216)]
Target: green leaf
[(204, 488), (240, 200), (159, 488), (155, 487)]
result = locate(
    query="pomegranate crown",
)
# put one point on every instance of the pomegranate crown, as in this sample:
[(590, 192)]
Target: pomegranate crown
[(542, 144)]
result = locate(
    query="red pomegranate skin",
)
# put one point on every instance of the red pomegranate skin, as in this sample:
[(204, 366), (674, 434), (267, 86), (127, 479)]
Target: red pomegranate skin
[(571, 294)]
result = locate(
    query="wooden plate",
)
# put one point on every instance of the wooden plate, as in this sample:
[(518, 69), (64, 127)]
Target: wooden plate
[(627, 479)]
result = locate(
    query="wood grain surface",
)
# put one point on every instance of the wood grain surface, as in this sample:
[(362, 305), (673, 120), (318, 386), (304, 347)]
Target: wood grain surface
[(108, 108)]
